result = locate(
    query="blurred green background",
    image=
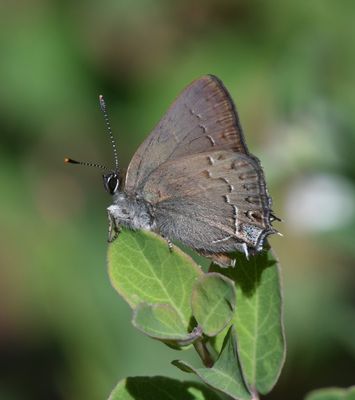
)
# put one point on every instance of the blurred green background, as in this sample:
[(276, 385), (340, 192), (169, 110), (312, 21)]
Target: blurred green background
[(64, 333)]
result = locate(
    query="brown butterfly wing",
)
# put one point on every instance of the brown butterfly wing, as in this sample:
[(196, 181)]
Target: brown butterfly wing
[(203, 118), (213, 202)]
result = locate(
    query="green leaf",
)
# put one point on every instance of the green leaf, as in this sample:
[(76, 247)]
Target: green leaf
[(213, 302), (258, 318), (161, 388), (161, 321), (226, 374), (332, 394), (147, 274)]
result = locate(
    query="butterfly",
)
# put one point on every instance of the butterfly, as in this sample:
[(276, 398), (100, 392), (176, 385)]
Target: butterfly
[(193, 179)]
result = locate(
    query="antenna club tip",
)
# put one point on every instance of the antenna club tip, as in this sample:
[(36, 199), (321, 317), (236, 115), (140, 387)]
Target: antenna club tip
[(68, 160)]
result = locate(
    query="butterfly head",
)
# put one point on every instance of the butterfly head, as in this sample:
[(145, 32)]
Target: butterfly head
[(111, 182)]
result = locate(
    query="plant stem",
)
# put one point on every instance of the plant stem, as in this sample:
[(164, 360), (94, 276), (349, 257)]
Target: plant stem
[(204, 354), (255, 394)]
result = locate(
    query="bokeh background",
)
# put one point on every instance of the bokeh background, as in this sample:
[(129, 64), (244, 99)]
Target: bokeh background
[(64, 333)]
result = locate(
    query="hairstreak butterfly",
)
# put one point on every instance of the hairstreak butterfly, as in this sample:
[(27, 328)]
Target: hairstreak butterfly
[(193, 178)]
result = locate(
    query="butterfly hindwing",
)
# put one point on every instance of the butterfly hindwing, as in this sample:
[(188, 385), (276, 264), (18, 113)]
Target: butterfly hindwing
[(213, 202)]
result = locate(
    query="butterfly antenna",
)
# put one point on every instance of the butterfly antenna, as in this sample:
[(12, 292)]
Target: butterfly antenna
[(87, 164), (108, 125)]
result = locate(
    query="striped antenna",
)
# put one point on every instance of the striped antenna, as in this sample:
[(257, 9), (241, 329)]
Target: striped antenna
[(87, 164), (108, 125)]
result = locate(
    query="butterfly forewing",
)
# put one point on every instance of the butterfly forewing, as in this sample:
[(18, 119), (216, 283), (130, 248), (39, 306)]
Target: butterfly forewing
[(202, 118)]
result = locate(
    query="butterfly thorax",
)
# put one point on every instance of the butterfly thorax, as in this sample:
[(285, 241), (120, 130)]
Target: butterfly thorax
[(130, 212)]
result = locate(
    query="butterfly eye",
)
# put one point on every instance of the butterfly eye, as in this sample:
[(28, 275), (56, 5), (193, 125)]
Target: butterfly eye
[(111, 183)]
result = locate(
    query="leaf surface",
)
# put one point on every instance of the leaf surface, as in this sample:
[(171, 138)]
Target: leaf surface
[(213, 302), (160, 321), (332, 394), (258, 318), (156, 282), (160, 388), (226, 374)]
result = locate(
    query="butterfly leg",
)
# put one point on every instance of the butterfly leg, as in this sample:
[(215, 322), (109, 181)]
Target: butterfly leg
[(113, 229), (170, 244), (245, 249)]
